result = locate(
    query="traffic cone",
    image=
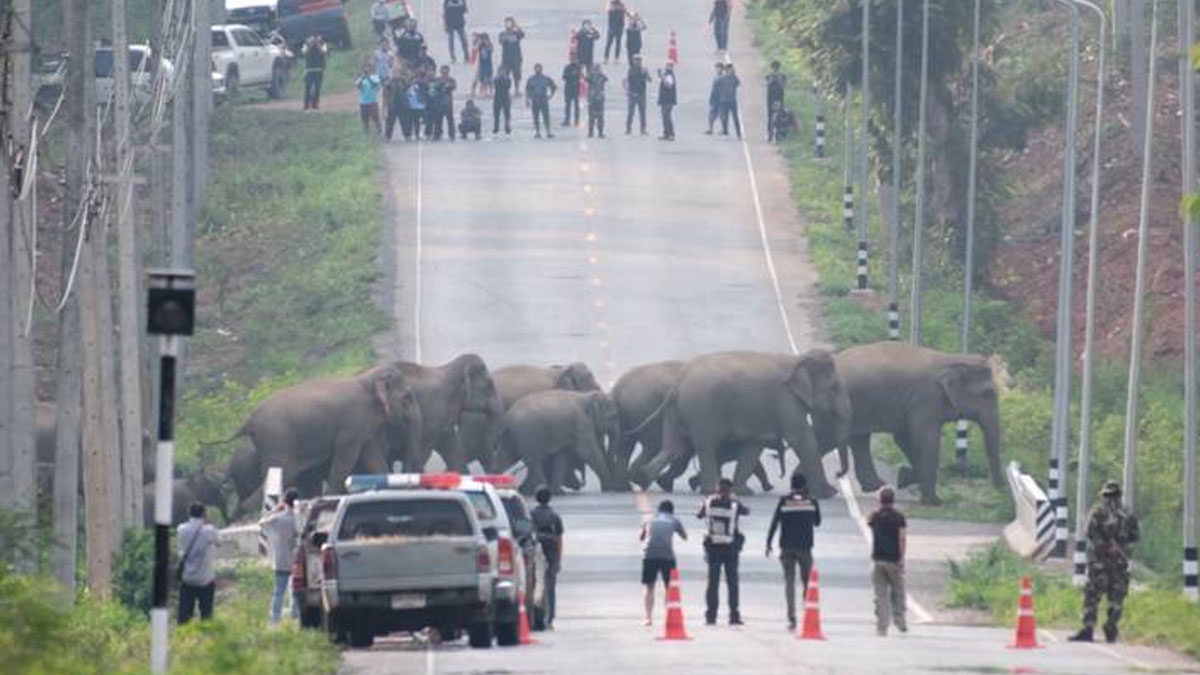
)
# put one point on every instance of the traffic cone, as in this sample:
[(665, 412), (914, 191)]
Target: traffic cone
[(674, 629), (673, 47), (1026, 623), (811, 629), (523, 634)]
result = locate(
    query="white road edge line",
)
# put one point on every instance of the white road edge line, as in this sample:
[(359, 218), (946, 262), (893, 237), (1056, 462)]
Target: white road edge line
[(919, 612)]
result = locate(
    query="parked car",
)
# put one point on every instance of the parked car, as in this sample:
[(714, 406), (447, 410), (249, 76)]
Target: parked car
[(247, 60), (314, 519), (48, 77), (295, 20), (403, 560)]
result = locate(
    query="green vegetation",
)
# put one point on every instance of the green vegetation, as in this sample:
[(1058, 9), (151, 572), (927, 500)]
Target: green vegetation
[(989, 579)]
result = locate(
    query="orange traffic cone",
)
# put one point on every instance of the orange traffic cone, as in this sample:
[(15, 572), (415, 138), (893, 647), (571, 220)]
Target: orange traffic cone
[(811, 629), (673, 47), (1026, 623), (674, 629), (523, 634)]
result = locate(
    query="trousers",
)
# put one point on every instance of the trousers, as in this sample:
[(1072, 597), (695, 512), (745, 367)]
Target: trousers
[(1111, 580), (636, 102), (312, 88), (190, 596), (721, 556), (595, 118), (668, 124), (570, 102), (501, 108), (541, 114), (888, 580), (791, 558)]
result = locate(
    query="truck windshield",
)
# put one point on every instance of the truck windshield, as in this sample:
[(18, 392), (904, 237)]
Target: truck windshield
[(404, 518)]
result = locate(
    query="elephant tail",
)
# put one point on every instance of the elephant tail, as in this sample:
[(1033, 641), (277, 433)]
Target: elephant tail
[(658, 412), (238, 434)]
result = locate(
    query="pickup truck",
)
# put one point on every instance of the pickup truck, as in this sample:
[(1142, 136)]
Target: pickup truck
[(315, 518), (247, 60), (404, 560)]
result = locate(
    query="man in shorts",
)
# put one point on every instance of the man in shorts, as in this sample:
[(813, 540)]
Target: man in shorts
[(658, 559)]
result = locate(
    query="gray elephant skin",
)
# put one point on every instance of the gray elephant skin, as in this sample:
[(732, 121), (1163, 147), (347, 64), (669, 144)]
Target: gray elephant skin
[(638, 394), (749, 400), (556, 428), (910, 392), (462, 414), (323, 429), (200, 487)]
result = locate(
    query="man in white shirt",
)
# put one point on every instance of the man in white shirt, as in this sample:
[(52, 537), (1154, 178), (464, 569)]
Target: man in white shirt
[(197, 584), (280, 528)]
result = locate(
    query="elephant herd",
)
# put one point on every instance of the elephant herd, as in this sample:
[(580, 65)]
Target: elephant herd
[(557, 421)]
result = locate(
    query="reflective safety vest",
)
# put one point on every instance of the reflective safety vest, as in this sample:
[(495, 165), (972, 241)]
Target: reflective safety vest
[(722, 520)]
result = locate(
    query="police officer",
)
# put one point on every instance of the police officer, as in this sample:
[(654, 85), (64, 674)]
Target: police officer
[(549, 528), (539, 88), (722, 545), (596, 82), (796, 516), (776, 83), (635, 88), (1111, 530)]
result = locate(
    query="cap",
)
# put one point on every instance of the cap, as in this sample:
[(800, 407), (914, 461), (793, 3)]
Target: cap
[(1111, 489)]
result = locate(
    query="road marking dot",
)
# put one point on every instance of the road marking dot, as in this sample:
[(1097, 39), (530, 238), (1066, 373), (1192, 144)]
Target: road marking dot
[(593, 260), (598, 304), (589, 212), (587, 189), (597, 281), (591, 236), (585, 167), (602, 325)]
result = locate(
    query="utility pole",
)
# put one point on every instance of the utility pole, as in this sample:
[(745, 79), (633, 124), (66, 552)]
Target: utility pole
[(183, 182), (1138, 67), (897, 163), (848, 159), (1139, 288), (863, 161), (960, 430), (201, 105), (7, 205), (1083, 488), (129, 263), (1187, 79), (914, 321)]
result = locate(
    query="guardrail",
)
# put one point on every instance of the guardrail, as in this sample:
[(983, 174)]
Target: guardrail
[(1031, 534)]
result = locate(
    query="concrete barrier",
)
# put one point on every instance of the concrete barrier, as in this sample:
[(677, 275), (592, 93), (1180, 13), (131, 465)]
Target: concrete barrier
[(1031, 534)]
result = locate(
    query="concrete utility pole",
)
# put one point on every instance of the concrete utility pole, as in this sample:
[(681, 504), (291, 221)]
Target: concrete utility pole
[(1138, 68), (183, 181), (1083, 489), (864, 150), (914, 320), (7, 489), (897, 163), (960, 430), (1139, 287), (1187, 78), (1061, 423), (128, 277), (201, 105)]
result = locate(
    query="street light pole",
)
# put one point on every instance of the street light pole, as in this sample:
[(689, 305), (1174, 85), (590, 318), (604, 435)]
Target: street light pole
[(960, 432), (914, 321), (1187, 33), (897, 145), (1082, 495), (864, 146)]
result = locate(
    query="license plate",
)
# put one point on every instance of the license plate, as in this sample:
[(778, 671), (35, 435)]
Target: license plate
[(408, 601)]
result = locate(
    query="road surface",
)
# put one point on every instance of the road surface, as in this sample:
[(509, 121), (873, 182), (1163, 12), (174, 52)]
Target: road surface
[(627, 250)]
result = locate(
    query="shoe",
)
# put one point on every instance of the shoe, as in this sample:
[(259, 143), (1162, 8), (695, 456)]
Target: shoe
[(647, 623), (591, 135), (708, 133), (1110, 634), (710, 621), (881, 633), (566, 124), (902, 629), (736, 621), (1084, 635), (537, 135), (602, 135), (549, 135), (791, 624), (628, 132), (643, 132)]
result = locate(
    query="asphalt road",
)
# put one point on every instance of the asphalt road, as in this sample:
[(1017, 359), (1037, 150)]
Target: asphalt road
[(627, 250)]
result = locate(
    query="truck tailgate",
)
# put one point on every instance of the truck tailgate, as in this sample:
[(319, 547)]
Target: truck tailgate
[(407, 563)]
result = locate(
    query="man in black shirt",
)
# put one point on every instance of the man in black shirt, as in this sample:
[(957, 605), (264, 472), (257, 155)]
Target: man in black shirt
[(409, 42), (454, 15), (889, 532), (585, 43), (571, 76), (549, 529), (314, 51), (635, 88), (441, 104), (719, 20), (616, 27), (722, 545), (539, 88), (776, 81), (502, 88), (596, 83), (510, 50), (796, 516)]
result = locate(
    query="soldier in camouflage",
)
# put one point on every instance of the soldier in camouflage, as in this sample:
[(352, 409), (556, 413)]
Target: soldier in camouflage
[(1111, 531)]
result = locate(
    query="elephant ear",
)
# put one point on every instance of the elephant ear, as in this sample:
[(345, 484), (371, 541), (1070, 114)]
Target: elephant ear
[(382, 383), (800, 382), (567, 378), (951, 381)]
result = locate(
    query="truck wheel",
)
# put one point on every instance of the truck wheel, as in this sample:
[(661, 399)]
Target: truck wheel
[(507, 634), (361, 638), (480, 635), (537, 619), (231, 84), (278, 82)]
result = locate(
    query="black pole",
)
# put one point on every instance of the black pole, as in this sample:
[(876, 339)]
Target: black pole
[(165, 469)]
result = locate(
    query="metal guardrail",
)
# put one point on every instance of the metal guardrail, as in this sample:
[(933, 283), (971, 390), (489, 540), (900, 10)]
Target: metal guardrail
[(1031, 534)]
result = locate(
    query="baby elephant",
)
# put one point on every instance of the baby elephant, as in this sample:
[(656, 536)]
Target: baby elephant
[(558, 428)]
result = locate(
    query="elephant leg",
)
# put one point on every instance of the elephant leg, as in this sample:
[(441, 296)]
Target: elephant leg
[(864, 465), (676, 469), (907, 475), (558, 467), (592, 454), (449, 446), (748, 464), (803, 440), (648, 453), (620, 463), (708, 452), (535, 475), (928, 446)]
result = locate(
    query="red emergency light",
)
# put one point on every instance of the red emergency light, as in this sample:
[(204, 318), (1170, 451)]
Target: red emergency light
[(500, 480)]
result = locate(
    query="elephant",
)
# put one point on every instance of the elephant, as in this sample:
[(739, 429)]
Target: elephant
[(517, 381), (199, 487), (336, 423), (638, 393), (551, 425), (748, 400), (462, 414), (910, 392)]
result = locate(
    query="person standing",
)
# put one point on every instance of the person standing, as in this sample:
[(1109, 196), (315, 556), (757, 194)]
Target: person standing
[(538, 91), (714, 105), (776, 84), (1111, 531), (889, 541), (409, 43), (571, 76), (549, 529), (454, 16), (795, 517), (510, 49), (443, 87), (197, 580), (484, 71), (727, 87), (596, 82), (722, 545), (368, 86), (279, 526), (658, 556), (616, 28), (719, 20), (416, 100), (502, 88), (635, 89), (633, 35), (397, 108), (314, 52), (585, 43), (667, 98), (379, 17)]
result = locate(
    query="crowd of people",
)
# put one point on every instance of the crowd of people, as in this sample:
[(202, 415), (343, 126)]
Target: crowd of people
[(402, 85)]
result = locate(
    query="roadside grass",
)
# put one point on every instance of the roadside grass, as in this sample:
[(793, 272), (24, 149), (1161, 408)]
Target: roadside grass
[(286, 260), (988, 581)]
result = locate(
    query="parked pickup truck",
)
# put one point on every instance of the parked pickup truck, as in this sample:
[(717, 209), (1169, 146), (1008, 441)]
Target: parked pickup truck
[(404, 560), (247, 60)]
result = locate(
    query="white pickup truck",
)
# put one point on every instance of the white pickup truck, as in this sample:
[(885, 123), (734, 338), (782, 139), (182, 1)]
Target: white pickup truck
[(404, 560), (247, 60)]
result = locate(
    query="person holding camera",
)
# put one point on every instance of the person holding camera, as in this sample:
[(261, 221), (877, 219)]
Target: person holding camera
[(314, 51), (197, 580), (279, 526), (722, 545), (510, 49)]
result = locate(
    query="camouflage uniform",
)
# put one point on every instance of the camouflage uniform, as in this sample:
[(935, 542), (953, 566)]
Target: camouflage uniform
[(1111, 531)]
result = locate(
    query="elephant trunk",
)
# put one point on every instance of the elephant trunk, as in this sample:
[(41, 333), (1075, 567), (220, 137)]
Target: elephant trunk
[(478, 433), (991, 436)]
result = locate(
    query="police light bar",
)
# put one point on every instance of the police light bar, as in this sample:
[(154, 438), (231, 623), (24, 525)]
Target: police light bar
[(500, 480), (394, 481)]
